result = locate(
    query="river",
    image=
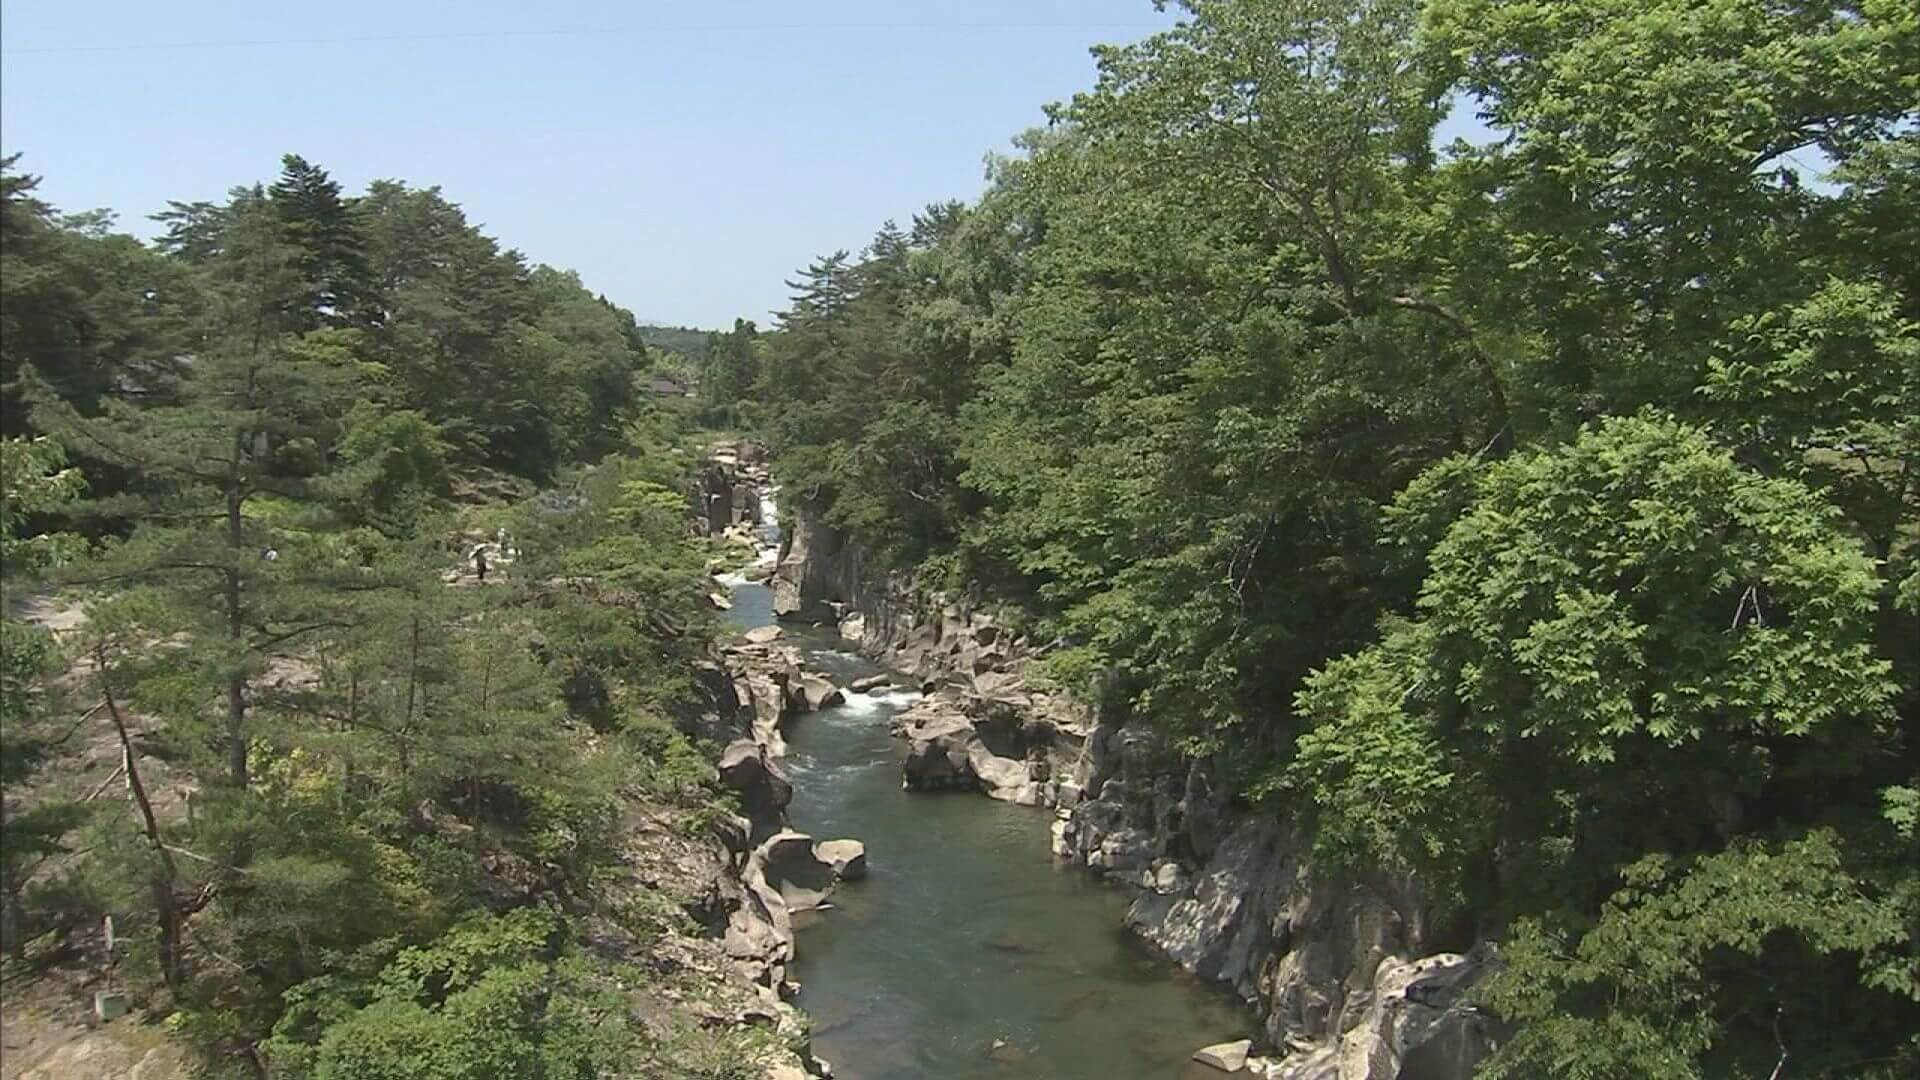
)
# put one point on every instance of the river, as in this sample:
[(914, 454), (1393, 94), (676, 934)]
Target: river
[(969, 951)]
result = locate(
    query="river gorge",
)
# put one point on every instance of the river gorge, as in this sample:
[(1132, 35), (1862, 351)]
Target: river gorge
[(969, 951), (1101, 916)]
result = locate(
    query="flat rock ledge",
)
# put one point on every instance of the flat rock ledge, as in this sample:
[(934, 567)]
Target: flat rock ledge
[(1228, 1057)]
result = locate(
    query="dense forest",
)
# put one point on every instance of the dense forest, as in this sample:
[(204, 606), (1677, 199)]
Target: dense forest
[(1532, 515), (376, 807), (682, 340), (1536, 514)]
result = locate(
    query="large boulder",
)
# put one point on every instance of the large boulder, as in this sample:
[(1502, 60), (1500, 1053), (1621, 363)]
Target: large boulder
[(940, 744), (847, 858), (758, 937), (1125, 852), (1008, 779), (816, 692), (745, 504), (763, 685), (1220, 925), (763, 786), (1417, 1023), (788, 863)]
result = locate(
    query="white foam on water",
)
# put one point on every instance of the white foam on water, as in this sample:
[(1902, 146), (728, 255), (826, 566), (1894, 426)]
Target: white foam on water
[(731, 581), (867, 704)]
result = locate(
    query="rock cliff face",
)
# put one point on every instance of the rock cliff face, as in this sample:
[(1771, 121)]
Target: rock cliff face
[(815, 566), (725, 494), (1346, 974)]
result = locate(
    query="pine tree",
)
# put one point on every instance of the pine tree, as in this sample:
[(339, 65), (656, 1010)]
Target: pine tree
[(97, 313), (32, 480), (322, 228), (216, 551)]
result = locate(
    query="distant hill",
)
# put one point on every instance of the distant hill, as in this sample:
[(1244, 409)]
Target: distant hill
[(685, 340)]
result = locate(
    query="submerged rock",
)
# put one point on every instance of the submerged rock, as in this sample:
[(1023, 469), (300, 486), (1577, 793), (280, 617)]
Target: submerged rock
[(1015, 943), (1005, 1053)]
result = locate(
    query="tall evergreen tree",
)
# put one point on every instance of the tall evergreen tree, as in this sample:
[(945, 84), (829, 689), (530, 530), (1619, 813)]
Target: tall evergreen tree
[(256, 417), (337, 284)]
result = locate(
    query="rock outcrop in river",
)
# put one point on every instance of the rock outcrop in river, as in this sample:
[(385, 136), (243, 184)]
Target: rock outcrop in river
[(726, 493), (1349, 975)]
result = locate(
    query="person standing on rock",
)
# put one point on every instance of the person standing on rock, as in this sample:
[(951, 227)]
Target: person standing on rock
[(480, 562)]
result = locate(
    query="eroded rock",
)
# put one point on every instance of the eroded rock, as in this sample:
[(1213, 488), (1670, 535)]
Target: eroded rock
[(847, 858), (816, 692), (764, 789), (788, 863)]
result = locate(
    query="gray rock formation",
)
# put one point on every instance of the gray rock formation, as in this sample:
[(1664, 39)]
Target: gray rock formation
[(788, 863), (725, 494), (815, 571), (948, 749), (939, 745), (1410, 1023), (1324, 956), (816, 692), (847, 858), (745, 767)]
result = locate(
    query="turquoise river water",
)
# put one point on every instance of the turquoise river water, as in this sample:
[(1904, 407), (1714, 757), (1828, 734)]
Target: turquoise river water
[(969, 952)]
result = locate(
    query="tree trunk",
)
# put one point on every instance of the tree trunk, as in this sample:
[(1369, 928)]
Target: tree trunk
[(237, 679), (164, 902), (11, 925)]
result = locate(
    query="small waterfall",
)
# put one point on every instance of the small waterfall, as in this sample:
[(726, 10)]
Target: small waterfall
[(769, 527)]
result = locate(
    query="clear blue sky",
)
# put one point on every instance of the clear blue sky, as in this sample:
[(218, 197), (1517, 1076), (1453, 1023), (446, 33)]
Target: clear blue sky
[(684, 158)]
